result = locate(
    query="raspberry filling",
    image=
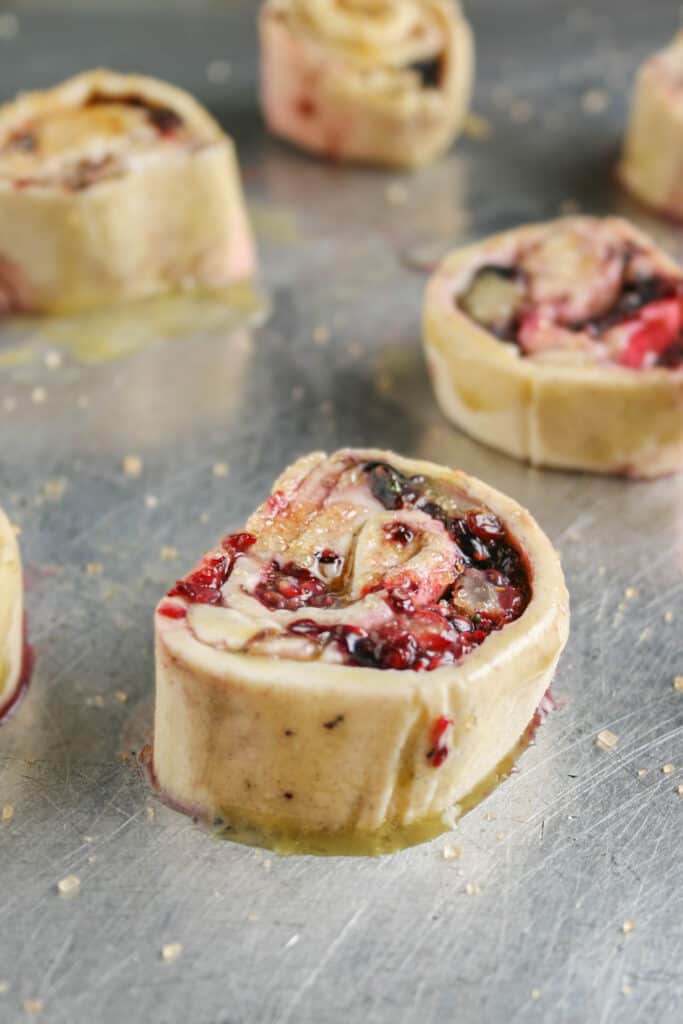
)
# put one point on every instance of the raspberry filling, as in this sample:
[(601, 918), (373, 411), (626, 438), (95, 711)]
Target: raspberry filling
[(581, 288), (203, 585), (410, 574)]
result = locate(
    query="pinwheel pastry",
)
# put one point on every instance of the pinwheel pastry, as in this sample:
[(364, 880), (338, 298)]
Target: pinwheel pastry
[(14, 661), (377, 81), (361, 656), (562, 343), (652, 161), (113, 187)]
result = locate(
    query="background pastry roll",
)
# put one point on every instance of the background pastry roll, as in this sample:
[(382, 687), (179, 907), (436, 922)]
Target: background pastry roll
[(562, 343), (376, 81), (652, 159), (361, 656), (115, 187)]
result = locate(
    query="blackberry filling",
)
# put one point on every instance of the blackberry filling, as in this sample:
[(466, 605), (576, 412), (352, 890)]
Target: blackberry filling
[(391, 488), (672, 357), (429, 71), (635, 296), (25, 141), (165, 120)]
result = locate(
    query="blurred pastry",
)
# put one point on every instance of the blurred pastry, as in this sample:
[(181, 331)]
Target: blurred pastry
[(361, 657), (652, 160), (562, 343), (375, 81), (115, 187)]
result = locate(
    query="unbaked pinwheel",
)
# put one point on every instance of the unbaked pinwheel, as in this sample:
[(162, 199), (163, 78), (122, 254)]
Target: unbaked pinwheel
[(361, 657), (14, 656), (562, 343), (652, 160), (113, 187), (376, 81)]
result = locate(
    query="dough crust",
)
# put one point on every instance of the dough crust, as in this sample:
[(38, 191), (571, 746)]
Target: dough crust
[(559, 409), (11, 616), (115, 187), (652, 161), (236, 733), (345, 80)]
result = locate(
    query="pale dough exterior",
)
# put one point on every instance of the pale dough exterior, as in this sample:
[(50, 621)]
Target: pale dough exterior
[(11, 615), (559, 413), (234, 733), (174, 219), (333, 79), (652, 161)]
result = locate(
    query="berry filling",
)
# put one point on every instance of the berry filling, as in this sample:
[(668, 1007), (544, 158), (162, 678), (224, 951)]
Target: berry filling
[(417, 581), (428, 71), (164, 119), (581, 289), (292, 587), (203, 585)]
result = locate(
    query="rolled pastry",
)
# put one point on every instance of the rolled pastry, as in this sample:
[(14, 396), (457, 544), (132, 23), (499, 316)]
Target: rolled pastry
[(361, 656), (14, 665), (376, 81), (561, 343), (114, 187), (652, 160)]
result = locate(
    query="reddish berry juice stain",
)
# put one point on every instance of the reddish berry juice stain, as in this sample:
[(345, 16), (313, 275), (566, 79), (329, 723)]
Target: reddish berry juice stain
[(438, 751), (170, 610)]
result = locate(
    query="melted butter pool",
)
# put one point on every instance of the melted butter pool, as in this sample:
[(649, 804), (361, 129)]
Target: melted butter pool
[(115, 332), (282, 840)]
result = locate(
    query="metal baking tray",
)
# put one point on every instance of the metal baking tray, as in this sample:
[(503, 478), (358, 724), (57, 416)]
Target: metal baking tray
[(215, 401)]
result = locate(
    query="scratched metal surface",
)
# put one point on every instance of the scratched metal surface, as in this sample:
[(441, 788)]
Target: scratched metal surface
[(575, 843)]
